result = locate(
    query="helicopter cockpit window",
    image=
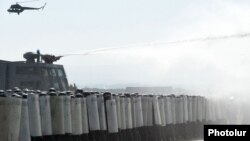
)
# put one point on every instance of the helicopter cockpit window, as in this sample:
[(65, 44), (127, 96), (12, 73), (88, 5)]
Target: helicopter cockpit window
[(26, 70)]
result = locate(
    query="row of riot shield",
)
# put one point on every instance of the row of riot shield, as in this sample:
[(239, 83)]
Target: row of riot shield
[(94, 116)]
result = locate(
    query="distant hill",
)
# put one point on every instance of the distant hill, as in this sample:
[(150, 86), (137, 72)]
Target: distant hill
[(148, 90)]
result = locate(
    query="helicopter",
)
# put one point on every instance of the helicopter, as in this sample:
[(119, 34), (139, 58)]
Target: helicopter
[(17, 8)]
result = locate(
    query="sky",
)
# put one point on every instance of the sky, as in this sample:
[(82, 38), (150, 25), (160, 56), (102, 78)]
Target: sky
[(77, 26)]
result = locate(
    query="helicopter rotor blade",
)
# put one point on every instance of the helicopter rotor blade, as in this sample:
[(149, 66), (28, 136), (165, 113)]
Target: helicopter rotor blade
[(43, 6), (28, 1)]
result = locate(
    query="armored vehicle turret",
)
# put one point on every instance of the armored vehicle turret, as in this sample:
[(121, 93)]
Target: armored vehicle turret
[(37, 72)]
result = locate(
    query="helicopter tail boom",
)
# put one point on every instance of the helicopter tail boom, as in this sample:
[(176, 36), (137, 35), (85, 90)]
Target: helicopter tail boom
[(43, 6), (31, 8)]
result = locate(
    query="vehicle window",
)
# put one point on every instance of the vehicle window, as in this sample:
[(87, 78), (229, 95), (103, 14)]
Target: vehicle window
[(53, 72), (56, 85), (61, 73), (64, 87), (45, 72), (26, 70)]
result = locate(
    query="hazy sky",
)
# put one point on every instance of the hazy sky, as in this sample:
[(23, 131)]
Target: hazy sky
[(75, 26)]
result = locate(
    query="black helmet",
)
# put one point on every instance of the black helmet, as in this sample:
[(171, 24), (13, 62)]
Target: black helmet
[(2, 93), (79, 91), (52, 90)]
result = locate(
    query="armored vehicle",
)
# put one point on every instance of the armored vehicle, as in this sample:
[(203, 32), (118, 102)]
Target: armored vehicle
[(38, 73)]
